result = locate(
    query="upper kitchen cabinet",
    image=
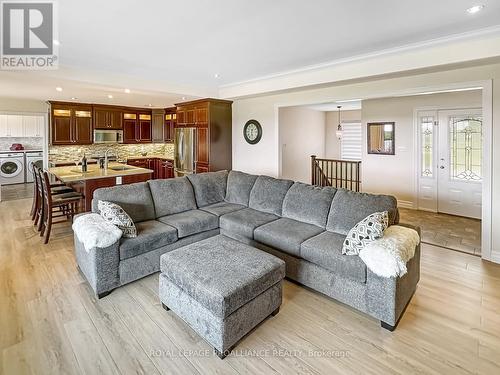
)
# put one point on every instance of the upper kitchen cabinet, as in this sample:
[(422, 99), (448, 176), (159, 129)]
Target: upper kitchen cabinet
[(108, 118), (137, 127), (157, 125), (212, 120), (170, 121), (71, 124), (21, 125)]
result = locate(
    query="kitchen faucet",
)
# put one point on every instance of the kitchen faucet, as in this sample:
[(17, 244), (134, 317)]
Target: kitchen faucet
[(106, 158)]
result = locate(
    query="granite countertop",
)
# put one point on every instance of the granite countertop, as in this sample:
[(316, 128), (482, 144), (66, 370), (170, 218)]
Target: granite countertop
[(74, 174)]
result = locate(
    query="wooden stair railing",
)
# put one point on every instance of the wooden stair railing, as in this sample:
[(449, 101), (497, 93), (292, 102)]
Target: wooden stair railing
[(337, 173)]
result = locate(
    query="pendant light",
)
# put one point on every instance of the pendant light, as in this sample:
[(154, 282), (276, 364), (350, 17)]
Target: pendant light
[(339, 127)]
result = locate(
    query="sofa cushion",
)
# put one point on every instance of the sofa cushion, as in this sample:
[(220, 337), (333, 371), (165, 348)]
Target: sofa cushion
[(239, 186), (172, 195), (191, 222), (151, 235), (325, 250), (209, 187), (222, 274), (307, 203), (286, 234), (243, 222), (350, 207), (116, 215), (366, 231), (135, 199), (268, 193), (222, 208)]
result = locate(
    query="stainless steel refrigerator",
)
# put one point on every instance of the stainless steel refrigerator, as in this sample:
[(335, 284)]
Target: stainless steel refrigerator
[(184, 151)]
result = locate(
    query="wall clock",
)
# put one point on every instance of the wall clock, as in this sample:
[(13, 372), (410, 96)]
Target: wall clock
[(252, 131)]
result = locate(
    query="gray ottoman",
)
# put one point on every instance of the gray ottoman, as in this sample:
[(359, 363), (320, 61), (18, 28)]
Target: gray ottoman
[(221, 288)]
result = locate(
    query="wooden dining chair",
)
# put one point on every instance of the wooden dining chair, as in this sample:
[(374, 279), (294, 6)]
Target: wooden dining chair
[(56, 188), (63, 205)]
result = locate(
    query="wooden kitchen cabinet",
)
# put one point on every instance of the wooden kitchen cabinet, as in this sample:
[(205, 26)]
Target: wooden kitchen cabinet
[(108, 118), (71, 124), (137, 127), (212, 120), (169, 125), (162, 168), (167, 168), (141, 163), (158, 125)]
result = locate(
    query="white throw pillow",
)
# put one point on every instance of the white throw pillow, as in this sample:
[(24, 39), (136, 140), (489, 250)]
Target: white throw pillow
[(367, 230), (114, 214)]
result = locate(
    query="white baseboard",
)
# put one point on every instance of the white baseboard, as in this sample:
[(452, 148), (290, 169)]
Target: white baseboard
[(406, 204)]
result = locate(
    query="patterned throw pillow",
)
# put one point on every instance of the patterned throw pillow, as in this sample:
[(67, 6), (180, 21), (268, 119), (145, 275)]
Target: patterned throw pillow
[(364, 232), (116, 215)]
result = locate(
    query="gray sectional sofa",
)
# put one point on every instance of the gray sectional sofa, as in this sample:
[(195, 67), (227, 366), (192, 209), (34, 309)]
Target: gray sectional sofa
[(301, 224)]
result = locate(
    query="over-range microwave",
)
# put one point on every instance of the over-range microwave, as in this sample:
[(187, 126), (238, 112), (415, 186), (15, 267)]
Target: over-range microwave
[(108, 136)]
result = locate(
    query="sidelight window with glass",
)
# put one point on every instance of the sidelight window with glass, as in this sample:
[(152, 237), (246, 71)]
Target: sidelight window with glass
[(427, 144)]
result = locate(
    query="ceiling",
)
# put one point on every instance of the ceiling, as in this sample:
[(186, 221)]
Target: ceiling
[(165, 50)]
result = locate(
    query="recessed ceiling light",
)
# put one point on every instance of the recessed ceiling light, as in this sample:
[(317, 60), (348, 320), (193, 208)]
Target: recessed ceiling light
[(127, 91), (73, 98), (183, 98), (59, 89), (149, 105), (216, 75), (56, 42), (475, 9), (110, 96)]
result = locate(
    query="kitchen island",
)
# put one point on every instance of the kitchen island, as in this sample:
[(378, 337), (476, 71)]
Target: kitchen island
[(95, 178)]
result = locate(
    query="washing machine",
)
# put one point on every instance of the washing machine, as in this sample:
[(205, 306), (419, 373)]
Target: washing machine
[(33, 157), (11, 168)]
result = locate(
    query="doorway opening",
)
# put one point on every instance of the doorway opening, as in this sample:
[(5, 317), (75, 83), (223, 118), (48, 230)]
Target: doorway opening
[(452, 204)]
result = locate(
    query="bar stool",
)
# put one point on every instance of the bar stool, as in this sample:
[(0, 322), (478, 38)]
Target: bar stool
[(36, 207), (55, 205)]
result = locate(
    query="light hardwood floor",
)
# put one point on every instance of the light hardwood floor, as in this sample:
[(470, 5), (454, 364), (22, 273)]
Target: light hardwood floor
[(50, 323)]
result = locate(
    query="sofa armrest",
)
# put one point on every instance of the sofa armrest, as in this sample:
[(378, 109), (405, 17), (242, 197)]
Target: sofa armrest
[(389, 297), (100, 266)]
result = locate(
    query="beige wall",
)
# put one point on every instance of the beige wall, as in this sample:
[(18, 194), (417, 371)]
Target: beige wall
[(332, 143), (264, 157), (398, 176), (22, 105), (302, 134)]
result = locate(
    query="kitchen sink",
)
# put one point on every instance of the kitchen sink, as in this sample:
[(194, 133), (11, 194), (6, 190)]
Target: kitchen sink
[(120, 168)]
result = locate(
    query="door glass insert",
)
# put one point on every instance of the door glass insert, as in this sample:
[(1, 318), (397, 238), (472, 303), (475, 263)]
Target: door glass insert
[(144, 117), (427, 142), (62, 112), (466, 141), (129, 116), (83, 114)]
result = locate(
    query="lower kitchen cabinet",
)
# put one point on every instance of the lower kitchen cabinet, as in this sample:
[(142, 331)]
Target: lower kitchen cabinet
[(162, 168)]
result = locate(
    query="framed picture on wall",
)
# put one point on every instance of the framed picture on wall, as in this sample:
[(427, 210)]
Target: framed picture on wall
[(381, 138)]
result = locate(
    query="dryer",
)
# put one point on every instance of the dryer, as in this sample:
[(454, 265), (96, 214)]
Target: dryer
[(11, 168), (33, 157)]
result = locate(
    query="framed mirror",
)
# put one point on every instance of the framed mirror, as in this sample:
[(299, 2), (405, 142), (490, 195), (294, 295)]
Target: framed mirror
[(381, 138)]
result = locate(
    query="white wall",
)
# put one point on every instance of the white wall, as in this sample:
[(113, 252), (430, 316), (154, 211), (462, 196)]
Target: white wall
[(302, 134), (22, 105), (264, 157), (398, 175), (332, 143)]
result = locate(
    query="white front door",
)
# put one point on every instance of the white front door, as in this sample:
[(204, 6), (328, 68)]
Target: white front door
[(460, 162), (450, 152)]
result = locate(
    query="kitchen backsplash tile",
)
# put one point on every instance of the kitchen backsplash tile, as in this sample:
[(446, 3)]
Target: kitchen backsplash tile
[(121, 151), (29, 143)]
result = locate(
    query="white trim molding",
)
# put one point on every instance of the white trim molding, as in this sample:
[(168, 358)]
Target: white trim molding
[(455, 49)]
